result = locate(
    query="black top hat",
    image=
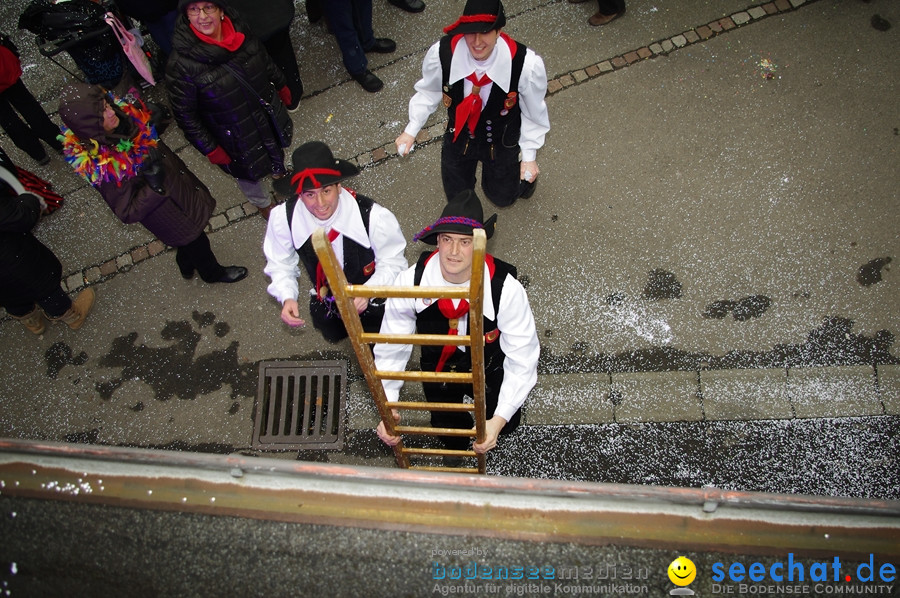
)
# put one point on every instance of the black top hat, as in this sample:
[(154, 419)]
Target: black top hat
[(461, 216), (314, 167), (479, 16)]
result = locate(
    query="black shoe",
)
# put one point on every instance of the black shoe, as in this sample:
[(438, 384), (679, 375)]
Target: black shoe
[(233, 274), (44, 161), (409, 5), (526, 189), (369, 81), (453, 461), (383, 45), (185, 273)]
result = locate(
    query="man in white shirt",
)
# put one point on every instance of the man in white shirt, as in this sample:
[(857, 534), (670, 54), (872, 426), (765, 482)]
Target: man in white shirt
[(366, 239), (511, 344), (493, 88)]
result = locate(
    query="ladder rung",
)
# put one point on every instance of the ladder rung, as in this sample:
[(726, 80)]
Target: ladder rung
[(450, 469), (439, 452), (435, 431), (363, 290), (415, 339), (421, 406), (419, 376)]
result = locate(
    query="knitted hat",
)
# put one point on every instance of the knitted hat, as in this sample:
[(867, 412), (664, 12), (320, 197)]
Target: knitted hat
[(314, 167), (479, 16), (461, 216)]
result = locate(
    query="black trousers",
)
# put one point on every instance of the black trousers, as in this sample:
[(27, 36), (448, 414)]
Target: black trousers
[(328, 322), (456, 393), (609, 7), (199, 255), (499, 169), (54, 305), (281, 50), (37, 125)]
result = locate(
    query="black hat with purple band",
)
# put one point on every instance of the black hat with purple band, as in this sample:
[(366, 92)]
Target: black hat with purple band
[(461, 216), (314, 167), (479, 16)]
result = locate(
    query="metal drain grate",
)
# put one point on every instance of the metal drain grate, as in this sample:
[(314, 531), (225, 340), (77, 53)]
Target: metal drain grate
[(300, 405)]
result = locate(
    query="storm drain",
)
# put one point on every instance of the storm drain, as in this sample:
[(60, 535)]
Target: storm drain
[(300, 405)]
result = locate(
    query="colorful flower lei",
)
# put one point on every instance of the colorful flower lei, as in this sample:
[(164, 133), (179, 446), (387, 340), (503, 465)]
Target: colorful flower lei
[(102, 163)]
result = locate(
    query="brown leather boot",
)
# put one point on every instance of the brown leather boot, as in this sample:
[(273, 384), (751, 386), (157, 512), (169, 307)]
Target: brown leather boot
[(34, 321), (601, 19), (80, 309), (264, 212)]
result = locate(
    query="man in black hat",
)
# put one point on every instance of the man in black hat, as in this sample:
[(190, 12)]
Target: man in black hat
[(366, 238), (493, 88), (511, 344)]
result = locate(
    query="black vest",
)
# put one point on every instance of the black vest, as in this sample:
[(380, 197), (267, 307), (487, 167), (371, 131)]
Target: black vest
[(432, 321), (359, 261), (494, 126)]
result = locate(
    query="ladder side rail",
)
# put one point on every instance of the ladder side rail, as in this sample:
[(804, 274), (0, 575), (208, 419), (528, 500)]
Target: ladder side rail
[(476, 334), (335, 274)]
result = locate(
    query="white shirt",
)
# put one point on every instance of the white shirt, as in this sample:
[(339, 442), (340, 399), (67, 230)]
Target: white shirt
[(283, 262), (498, 66), (518, 336)]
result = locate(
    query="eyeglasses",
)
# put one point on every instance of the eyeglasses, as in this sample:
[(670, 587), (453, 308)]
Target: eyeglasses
[(209, 9)]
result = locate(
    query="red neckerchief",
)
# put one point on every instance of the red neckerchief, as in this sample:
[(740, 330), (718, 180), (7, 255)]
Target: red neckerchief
[(469, 110), (321, 279), (231, 39), (455, 313)]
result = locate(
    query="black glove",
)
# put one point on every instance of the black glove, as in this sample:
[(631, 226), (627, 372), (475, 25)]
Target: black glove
[(153, 171), (160, 117)]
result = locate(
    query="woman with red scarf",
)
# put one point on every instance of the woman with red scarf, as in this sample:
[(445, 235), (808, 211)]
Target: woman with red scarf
[(220, 79)]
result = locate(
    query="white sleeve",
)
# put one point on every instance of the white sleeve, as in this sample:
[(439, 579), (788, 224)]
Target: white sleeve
[(428, 91), (535, 120), (519, 341), (399, 318), (282, 261), (389, 246)]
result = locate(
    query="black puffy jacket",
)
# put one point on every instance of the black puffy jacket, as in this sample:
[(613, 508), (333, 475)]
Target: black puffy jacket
[(214, 109)]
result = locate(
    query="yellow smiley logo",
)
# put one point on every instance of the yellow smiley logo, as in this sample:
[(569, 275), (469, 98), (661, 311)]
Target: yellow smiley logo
[(682, 571)]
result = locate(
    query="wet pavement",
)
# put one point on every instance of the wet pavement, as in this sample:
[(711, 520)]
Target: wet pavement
[(709, 255)]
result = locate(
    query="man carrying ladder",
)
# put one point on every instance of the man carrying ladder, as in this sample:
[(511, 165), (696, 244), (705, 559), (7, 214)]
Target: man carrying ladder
[(511, 346)]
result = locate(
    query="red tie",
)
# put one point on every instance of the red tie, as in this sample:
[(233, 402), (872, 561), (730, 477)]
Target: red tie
[(453, 314), (469, 110), (321, 280)]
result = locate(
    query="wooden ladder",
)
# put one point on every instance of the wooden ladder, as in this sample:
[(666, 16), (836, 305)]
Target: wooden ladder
[(344, 293)]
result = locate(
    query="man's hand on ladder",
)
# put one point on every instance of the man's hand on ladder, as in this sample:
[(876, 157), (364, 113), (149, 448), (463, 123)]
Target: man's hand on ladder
[(383, 433), (492, 429)]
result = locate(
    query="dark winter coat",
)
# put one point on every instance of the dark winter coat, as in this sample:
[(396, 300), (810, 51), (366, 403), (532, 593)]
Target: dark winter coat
[(178, 214), (263, 23), (146, 10), (28, 270), (214, 109)]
